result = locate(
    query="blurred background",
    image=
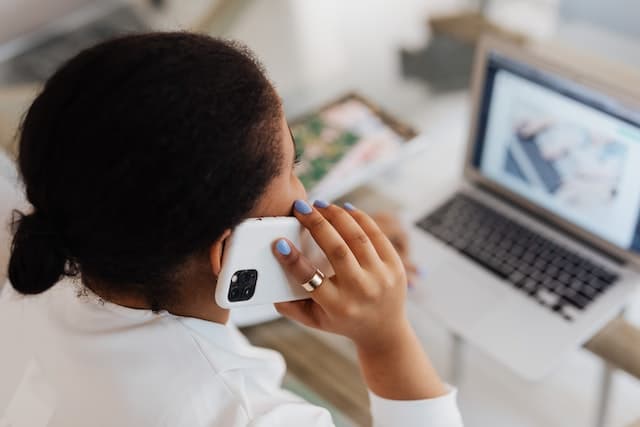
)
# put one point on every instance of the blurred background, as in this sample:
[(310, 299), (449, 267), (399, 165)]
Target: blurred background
[(315, 51), (412, 58)]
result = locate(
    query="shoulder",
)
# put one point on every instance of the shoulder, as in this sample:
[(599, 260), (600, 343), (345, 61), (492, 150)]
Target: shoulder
[(248, 384)]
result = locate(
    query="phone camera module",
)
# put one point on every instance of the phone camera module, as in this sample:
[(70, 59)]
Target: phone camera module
[(243, 285)]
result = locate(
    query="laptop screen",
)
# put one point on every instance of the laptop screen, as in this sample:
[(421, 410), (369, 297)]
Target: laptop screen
[(565, 147)]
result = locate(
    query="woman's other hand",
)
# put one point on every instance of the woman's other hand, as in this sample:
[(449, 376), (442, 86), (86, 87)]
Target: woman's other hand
[(397, 234)]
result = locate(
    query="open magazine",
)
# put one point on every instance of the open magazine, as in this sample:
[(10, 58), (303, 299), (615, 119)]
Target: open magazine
[(342, 138)]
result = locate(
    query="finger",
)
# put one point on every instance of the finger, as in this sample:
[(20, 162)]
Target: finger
[(327, 237), (353, 235), (392, 227), (301, 269), (383, 246)]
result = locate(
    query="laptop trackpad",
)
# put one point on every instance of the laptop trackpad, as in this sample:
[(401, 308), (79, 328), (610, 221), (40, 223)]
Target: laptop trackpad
[(460, 293)]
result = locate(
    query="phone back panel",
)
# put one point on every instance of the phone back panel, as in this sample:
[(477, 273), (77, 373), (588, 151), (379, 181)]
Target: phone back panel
[(249, 248)]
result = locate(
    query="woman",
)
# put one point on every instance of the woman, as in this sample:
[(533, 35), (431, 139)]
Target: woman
[(139, 157)]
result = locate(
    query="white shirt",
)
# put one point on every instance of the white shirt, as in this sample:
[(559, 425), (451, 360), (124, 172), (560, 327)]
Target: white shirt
[(10, 198), (99, 364)]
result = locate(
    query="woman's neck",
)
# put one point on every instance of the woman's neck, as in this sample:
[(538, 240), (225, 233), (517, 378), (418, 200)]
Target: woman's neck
[(199, 304)]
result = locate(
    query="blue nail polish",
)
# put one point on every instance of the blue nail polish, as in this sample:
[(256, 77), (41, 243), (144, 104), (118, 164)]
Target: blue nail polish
[(348, 206), (320, 204), (283, 247), (302, 207)]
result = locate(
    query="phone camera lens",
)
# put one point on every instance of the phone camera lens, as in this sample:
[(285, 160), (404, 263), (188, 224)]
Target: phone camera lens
[(243, 285)]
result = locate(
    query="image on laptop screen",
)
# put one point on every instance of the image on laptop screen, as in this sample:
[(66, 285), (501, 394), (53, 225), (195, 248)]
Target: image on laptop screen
[(562, 146)]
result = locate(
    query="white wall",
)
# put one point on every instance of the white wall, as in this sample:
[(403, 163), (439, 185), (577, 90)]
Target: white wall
[(20, 16)]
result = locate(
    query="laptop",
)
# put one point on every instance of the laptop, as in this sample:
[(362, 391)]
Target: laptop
[(537, 246)]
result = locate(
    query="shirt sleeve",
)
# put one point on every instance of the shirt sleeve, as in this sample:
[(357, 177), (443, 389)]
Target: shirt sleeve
[(294, 414), (437, 412)]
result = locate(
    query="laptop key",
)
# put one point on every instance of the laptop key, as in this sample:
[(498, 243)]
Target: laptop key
[(564, 278), (558, 289), (549, 283), (576, 285), (507, 269), (485, 261), (547, 298), (606, 276), (588, 292), (552, 270), (597, 284), (530, 286), (460, 243), (577, 300), (516, 276), (568, 311)]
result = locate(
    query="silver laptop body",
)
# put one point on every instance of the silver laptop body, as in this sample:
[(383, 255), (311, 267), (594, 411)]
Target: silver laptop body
[(538, 247)]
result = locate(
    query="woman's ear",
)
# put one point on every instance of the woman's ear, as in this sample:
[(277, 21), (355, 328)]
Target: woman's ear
[(215, 252)]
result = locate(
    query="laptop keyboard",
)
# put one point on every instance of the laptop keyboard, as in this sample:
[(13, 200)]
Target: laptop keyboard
[(553, 275)]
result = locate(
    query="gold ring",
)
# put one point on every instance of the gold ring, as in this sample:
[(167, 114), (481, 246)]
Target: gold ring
[(314, 282)]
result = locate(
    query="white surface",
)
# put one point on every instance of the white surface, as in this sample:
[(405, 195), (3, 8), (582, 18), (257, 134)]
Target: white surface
[(18, 17), (598, 41)]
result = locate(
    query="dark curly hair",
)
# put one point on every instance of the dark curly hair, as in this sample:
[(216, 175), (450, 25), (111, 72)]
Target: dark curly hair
[(137, 155)]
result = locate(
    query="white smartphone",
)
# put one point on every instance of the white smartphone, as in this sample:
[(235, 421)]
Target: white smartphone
[(251, 274)]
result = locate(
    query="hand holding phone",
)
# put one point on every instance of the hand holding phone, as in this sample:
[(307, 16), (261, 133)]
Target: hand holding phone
[(364, 300)]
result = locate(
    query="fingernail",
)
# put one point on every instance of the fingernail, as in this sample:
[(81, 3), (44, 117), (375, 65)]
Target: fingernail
[(283, 247), (348, 206), (410, 285), (320, 204), (302, 207)]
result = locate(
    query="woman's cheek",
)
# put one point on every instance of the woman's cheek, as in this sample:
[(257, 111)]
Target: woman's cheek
[(299, 190)]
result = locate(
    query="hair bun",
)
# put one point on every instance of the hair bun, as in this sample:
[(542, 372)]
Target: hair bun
[(38, 257)]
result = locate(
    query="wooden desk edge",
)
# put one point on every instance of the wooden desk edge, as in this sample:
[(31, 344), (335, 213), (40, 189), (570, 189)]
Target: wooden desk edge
[(619, 344)]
